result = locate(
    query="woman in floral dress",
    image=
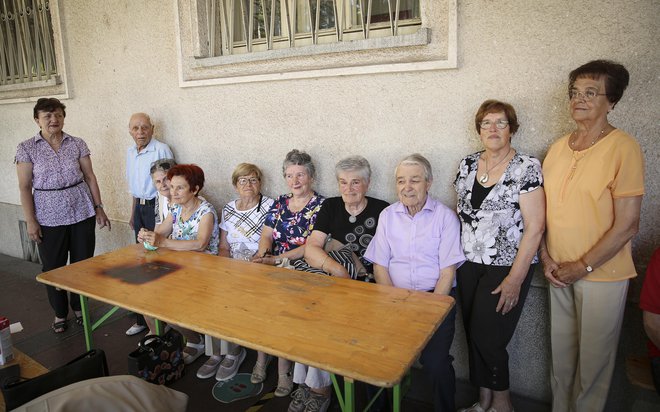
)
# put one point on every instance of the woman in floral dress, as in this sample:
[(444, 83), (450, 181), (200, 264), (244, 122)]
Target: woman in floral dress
[(288, 224), (501, 206), (192, 224)]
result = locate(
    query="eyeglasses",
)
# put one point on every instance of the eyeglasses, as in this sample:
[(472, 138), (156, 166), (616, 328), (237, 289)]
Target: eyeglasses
[(299, 175), (587, 95), (242, 181), (500, 124)]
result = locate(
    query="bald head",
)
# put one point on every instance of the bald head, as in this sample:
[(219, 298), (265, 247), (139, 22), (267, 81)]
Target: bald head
[(141, 129)]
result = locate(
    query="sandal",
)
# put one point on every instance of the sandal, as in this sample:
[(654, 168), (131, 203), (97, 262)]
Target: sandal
[(190, 357), (59, 327), (79, 319), (259, 371), (284, 385)]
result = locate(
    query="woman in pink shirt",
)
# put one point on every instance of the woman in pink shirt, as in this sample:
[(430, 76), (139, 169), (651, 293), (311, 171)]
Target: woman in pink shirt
[(61, 200)]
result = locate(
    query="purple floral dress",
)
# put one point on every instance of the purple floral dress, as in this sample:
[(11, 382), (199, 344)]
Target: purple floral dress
[(290, 229)]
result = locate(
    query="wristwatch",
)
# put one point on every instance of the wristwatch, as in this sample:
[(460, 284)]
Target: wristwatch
[(99, 206), (587, 266)]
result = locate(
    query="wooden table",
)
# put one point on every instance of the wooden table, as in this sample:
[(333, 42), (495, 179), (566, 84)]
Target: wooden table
[(30, 368), (365, 332)]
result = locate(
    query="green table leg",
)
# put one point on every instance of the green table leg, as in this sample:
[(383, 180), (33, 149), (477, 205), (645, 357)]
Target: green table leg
[(349, 395), (340, 398), (159, 327), (99, 322), (396, 401), (87, 324), (347, 401), (398, 392)]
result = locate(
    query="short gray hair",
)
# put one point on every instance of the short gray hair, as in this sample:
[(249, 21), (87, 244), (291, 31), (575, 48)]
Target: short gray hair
[(162, 165), (354, 163), (298, 158), (417, 159)]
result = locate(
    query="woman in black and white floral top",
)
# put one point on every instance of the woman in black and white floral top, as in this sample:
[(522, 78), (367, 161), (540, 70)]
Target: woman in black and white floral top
[(501, 206)]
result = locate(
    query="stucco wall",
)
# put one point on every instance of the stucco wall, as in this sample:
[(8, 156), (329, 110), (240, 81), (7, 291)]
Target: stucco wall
[(121, 58)]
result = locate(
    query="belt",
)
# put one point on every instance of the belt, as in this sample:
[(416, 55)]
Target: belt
[(150, 202), (60, 188)]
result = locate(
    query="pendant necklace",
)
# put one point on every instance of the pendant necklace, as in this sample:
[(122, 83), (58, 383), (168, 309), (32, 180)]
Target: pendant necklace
[(573, 139), (353, 217), (484, 177)]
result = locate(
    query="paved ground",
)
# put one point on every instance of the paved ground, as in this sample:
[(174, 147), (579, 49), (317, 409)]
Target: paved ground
[(23, 299)]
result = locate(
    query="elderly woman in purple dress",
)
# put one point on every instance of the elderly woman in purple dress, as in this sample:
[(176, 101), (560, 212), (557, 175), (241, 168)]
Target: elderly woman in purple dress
[(61, 200)]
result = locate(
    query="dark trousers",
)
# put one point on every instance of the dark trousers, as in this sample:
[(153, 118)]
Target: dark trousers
[(655, 372), (488, 332), (61, 243), (144, 216), (437, 364)]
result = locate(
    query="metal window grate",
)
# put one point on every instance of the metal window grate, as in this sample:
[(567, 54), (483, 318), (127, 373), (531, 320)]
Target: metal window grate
[(27, 51), (246, 26), (30, 249)]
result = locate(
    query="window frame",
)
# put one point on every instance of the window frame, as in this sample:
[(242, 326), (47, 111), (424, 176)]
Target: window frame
[(56, 85), (432, 47)]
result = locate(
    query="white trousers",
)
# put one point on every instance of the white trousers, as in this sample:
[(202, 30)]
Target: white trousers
[(311, 376), (585, 324)]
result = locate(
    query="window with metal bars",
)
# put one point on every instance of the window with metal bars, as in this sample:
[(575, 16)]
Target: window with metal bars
[(246, 26), (26, 42)]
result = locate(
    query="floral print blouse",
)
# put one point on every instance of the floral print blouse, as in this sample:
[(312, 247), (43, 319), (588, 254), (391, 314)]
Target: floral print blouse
[(290, 229), (188, 229), (491, 234)]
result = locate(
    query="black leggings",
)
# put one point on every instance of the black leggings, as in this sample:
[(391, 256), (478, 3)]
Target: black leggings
[(74, 242), (488, 332)]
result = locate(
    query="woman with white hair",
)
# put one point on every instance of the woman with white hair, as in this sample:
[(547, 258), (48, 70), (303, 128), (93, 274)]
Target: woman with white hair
[(350, 222), (286, 229)]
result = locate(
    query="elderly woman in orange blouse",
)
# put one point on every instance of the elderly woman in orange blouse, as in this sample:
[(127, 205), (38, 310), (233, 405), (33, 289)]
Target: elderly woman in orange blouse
[(594, 181)]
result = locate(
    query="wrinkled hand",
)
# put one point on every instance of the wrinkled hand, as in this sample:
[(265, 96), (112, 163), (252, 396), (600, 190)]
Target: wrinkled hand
[(151, 237), (550, 268), (140, 235), (509, 291), (34, 231), (101, 219), (570, 272), (266, 260)]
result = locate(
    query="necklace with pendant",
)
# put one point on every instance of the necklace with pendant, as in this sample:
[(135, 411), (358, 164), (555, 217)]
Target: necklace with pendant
[(484, 177), (573, 139), (353, 217)]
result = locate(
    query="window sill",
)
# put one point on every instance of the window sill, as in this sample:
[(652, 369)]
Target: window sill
[(52, 81), (421, 37)]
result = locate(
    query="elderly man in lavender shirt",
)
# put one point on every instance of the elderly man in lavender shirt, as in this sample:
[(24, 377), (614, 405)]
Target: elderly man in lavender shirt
[(417, 246)]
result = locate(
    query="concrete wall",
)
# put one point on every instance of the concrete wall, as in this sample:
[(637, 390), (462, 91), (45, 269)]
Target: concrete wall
[(121, 58)]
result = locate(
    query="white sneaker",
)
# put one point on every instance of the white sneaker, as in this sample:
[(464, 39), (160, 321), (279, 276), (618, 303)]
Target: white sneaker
[(135, 329), (229, 366)]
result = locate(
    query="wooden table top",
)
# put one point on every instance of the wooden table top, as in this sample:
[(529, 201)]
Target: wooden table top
[(366, 332), (30, 368)]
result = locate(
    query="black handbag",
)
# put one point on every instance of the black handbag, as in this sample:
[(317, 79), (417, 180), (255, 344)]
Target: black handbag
[(158, 359), (87, 366)]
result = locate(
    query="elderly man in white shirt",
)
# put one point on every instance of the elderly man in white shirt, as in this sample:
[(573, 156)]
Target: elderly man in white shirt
[(139, 158)]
